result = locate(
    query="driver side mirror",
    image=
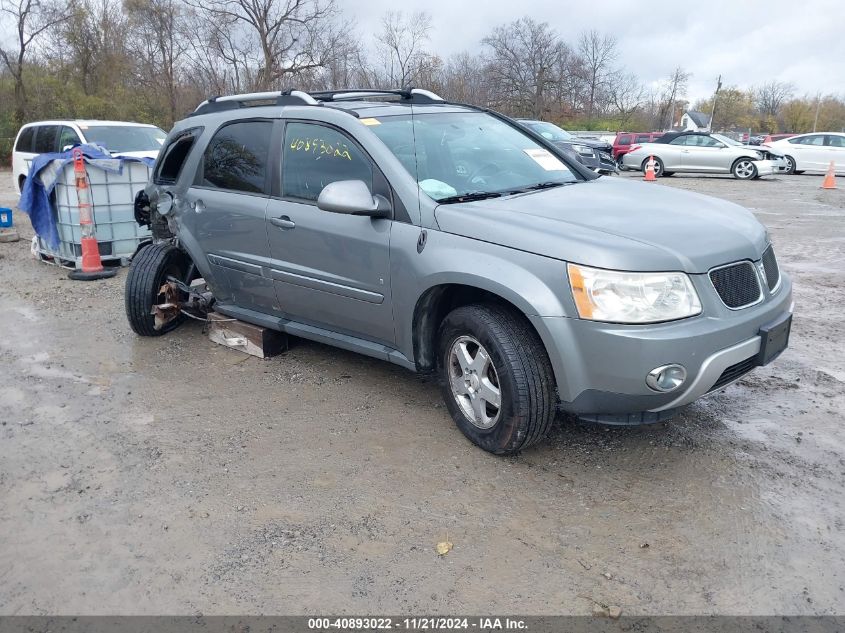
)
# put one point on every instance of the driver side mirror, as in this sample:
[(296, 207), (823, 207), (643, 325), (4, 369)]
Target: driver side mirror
[(352, 197)]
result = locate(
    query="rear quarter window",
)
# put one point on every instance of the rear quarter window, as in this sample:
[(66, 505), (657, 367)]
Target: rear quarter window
[(25, 139), (174, 155), (625, 139)]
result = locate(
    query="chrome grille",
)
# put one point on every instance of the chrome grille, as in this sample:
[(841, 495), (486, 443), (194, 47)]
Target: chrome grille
[(770, 266), (737, 284)]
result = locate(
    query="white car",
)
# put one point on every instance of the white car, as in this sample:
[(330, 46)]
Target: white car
[(812, 152), (702, 152), (118, 137)]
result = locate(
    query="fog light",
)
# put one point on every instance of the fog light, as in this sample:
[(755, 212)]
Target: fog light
[(666, 378)]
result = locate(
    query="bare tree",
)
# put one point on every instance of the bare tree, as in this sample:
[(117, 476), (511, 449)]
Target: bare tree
[(674, 90), (627, 94), (401, 44), (598, 53), (160, 40), (770, 97), (291, 36), (31, 19), (521, 64)]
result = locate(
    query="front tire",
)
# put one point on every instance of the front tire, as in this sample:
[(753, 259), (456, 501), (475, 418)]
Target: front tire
[(790, 165), (744, 169), (150, 268), (496, 378)]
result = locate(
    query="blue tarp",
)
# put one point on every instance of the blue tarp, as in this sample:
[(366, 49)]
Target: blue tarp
[(43, 174)]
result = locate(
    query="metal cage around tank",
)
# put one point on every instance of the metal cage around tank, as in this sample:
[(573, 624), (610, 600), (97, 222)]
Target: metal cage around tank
[(112, 197)]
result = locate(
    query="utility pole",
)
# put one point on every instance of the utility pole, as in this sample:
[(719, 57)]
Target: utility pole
[(715, 94)]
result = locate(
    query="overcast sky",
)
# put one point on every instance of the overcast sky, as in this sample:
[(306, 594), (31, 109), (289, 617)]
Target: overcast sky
[(748, 42)]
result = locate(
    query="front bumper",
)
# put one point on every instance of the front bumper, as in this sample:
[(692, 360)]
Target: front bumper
[(766, 167), (601, 368)]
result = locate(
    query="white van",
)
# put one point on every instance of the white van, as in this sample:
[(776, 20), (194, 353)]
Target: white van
[(118, 137)]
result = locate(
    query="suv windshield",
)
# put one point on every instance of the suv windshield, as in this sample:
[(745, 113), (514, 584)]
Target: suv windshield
[(457, 154), (125, 138)]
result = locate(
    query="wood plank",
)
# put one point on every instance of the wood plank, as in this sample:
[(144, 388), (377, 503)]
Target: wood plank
[(245, 337)]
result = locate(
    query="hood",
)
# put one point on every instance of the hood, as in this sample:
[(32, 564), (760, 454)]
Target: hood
[(592, 142), (151, 154), (612, 223)]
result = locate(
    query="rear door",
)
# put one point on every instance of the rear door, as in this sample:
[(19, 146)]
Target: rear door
[(47, 139), (330, 270), (227, 203), (835, 146)]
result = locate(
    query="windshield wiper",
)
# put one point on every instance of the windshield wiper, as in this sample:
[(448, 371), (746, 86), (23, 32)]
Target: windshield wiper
[(469, 197), (545, 185), (540, 185)]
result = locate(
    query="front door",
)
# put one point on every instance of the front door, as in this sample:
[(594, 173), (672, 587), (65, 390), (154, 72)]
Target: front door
[(225, 214), (330, 270)]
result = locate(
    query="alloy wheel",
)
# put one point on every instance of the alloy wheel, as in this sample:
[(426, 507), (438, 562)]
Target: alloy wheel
[(744, 169), (474, 382)]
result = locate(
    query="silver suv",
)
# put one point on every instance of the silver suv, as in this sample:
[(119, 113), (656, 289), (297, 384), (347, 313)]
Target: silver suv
[(445, 237)]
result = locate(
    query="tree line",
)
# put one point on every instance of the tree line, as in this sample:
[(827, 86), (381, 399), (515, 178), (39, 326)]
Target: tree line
[(155, 60)]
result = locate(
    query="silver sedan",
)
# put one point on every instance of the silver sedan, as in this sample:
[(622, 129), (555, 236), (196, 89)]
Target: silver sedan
[(705, 153)]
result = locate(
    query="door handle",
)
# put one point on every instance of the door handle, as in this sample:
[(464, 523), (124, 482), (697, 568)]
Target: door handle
[(684, 151), (283, 222)]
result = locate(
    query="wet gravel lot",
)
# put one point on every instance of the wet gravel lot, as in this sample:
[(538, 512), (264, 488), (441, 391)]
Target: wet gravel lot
[(174, 476)]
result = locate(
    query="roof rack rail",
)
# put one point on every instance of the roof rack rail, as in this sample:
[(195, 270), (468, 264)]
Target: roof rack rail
[(414, 95), (298, 97), (233, 102)]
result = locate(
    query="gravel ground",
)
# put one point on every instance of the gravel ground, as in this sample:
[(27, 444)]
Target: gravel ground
[(175, 476)]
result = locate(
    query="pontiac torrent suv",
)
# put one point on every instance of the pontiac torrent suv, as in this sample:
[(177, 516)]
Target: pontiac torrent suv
[(448, 238)]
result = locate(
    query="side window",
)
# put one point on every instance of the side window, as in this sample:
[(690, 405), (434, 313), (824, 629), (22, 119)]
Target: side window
[(174, 155), (812, 139), (315, 156), (45, 139), (706, 141), (236, 157), (835, 141), (644, 138), (25, 140), (625, 139), (682, 140), (67, 137)]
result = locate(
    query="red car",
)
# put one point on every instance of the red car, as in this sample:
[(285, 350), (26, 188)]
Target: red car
[(624, 140), (775, 137)]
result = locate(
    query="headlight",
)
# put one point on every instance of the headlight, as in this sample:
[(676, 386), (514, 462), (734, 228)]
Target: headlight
[(583, 149), (623, 297)]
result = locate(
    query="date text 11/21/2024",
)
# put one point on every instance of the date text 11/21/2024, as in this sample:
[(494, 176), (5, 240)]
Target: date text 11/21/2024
[(417, 624)]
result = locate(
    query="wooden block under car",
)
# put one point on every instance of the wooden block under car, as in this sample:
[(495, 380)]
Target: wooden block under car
[(245, 337)]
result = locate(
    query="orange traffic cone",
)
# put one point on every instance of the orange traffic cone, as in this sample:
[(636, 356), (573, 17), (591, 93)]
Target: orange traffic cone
[(92, 266), (649, 170), (830, 177)]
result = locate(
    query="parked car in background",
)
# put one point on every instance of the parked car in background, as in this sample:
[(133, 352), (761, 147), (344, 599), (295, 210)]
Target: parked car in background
[(118, 137), (702, 152), (812, 152), (593, 153), (624, 140), (770, 138)]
